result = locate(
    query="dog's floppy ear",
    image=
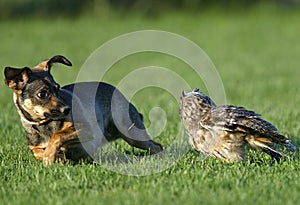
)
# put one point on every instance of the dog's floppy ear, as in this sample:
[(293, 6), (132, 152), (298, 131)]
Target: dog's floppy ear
[(46, 65), (16, 78)]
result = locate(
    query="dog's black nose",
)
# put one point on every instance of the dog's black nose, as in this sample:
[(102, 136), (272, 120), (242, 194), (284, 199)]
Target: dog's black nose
[(66, 110)]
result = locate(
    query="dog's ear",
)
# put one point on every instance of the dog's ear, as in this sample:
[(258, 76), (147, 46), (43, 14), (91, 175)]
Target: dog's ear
[(58, 59), (16, 78), (46, 65)]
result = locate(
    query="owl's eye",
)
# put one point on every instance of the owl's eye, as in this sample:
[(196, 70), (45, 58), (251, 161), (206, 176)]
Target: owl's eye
[(43, 94)]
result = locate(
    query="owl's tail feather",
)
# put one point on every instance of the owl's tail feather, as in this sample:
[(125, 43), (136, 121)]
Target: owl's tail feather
[(267, 145), (289, 145), (273, 153)]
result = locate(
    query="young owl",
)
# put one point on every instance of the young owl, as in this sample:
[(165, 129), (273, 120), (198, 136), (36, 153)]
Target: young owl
[(223, 131)]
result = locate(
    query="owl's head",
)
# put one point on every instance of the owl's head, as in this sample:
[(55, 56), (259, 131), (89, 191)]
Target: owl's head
[(193, 106), (197, 98)]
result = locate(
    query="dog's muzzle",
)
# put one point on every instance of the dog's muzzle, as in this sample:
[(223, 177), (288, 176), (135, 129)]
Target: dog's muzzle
[(58, 113)]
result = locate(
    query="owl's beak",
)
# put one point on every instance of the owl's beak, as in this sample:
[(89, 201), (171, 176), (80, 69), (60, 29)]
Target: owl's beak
[(183, 94)]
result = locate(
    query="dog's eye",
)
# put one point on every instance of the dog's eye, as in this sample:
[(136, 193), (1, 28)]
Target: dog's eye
[(43, 94), (56, 87)]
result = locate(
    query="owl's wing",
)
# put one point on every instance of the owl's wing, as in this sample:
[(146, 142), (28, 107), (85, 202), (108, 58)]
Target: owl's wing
[(238, 119), (234, 118)]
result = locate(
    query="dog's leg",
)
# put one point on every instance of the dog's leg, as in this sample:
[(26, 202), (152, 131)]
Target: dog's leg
[(134, 132), (150, 145), (67, 134), (129, 123), (142, 142), (38, 152)]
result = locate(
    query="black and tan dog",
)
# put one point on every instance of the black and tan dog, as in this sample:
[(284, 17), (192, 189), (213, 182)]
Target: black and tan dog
[(72, 122)]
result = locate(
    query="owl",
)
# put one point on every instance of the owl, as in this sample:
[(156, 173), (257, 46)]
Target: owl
[(224, 131)]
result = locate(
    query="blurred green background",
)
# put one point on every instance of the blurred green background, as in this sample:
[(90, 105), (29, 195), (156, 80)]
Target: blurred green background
[(71, 8)]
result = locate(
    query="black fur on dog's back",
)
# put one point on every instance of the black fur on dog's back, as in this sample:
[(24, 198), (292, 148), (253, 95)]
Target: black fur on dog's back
[(102, 94)]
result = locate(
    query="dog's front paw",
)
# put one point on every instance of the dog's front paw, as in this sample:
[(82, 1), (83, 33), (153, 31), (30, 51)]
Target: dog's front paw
[(60, 157), (49, 155), (52, 155), (48, 160)]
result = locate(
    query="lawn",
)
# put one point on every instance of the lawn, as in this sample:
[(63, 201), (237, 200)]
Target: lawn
[(256, 53)]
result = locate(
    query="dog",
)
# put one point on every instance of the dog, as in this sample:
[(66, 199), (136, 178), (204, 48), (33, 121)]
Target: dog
[(72, 122)]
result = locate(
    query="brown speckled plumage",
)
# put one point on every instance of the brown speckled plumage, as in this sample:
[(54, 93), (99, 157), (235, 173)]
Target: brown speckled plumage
[(224, 131)]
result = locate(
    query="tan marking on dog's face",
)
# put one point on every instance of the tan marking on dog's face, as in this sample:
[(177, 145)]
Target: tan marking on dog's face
[(36, 111), (53, 103)]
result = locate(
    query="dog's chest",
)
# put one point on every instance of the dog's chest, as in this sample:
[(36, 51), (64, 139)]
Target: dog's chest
[(40, 134)]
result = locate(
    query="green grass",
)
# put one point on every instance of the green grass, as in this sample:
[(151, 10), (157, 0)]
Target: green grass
[(256, 53)]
